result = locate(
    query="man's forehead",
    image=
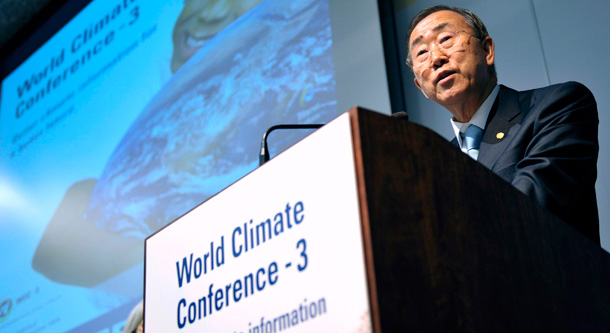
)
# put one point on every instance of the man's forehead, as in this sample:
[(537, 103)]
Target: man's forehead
[(435, 22)]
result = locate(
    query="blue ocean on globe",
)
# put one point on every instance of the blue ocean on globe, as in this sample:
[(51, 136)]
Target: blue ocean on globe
[(202, 131)]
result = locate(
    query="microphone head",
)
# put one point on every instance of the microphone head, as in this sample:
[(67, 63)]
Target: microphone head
[(401, 115)]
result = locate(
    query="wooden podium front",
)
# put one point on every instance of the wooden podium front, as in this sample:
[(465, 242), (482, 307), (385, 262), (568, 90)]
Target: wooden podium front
[(453, 247), (389, 224)]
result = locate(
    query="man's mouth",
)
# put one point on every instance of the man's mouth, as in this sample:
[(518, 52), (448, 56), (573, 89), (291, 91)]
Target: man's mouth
[(196, 42), (443, 75)]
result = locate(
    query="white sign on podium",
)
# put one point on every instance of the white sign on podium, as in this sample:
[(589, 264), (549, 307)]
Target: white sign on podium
[(279, 250)]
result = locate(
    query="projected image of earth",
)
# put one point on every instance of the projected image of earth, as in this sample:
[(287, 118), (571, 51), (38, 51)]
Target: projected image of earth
[(203, 130)]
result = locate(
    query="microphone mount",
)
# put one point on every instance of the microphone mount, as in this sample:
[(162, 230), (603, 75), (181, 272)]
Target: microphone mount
[(264, 154)]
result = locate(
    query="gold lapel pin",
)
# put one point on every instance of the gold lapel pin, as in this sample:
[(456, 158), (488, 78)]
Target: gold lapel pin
[(500, 135)]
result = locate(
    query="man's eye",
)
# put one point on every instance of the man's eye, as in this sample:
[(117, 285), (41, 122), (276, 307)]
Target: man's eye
[(421, 53), (445, 40)]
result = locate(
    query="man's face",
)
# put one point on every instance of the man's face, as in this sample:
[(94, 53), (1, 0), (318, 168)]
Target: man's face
[(199, 21), (457, 78)]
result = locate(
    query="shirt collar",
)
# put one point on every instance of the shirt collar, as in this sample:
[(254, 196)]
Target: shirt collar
[(479, 118)]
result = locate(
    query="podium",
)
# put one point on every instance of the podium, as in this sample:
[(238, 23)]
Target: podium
[(373, 224)]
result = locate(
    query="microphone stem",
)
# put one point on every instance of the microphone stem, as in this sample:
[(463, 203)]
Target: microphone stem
[(264, 154)]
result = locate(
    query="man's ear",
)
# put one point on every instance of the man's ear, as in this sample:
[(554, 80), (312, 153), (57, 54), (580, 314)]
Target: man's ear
[(420, 89), (489, 50)]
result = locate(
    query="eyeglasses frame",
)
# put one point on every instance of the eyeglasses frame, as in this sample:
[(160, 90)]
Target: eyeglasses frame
[(409, 61)]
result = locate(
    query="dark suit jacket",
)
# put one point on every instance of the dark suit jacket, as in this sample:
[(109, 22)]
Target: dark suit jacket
[(549, 149)]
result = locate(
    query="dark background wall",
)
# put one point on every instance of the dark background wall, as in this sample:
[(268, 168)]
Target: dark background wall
[(15, 14)]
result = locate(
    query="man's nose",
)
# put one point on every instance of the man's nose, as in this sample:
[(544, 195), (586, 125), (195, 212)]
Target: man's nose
[(437, 55), (216, 11)]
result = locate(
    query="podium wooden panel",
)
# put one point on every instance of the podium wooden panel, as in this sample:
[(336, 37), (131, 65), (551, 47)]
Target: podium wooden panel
[(452, 247)]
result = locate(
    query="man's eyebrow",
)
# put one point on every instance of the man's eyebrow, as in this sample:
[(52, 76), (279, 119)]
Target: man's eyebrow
[(435, 29)]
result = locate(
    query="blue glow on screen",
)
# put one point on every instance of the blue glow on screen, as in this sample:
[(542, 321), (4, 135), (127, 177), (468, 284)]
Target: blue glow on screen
[(112, 130)]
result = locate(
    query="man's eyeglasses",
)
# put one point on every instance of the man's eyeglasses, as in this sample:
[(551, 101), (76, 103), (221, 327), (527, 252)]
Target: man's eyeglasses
[(446, 42)]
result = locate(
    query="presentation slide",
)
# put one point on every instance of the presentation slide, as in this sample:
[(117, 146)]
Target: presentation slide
[(134, 113)]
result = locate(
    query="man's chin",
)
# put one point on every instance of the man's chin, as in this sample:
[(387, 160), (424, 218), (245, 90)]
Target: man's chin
[(179, 58), (176, 64), (448, 97), (445, 97)]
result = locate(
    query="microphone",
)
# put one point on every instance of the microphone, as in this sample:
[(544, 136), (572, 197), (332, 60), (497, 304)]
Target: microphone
[(401, 115), (264, 154)]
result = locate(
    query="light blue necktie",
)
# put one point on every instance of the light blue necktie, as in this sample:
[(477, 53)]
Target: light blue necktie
[(472, 138)]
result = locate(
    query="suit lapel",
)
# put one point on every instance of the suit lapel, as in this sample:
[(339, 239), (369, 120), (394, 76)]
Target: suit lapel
[(502, 124)]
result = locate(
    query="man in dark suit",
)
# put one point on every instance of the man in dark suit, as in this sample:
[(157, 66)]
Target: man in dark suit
[(543, 141)]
